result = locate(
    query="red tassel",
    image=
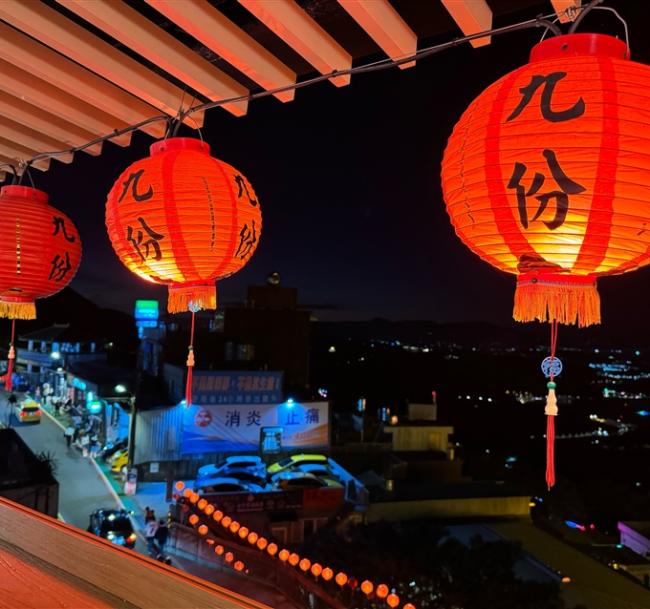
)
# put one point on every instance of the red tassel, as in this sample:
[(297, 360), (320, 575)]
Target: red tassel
[(550, 451), (10, 359), (190, 367)]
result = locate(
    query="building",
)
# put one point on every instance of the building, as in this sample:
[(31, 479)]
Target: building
[(26, 478)]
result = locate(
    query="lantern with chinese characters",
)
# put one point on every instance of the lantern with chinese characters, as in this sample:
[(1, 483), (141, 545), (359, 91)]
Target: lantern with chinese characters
[(546, 177), (40, 252), (184, 219)]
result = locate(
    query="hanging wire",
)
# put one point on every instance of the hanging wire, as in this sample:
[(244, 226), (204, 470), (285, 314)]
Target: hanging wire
[(376, 66), (584, 11)]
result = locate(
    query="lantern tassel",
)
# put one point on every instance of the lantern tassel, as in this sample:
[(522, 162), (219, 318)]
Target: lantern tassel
[(552, 297), (10, 359), (18, 310), (190, 367), (551, 411), (192, 297)]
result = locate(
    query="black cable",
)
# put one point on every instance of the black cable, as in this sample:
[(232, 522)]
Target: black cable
[(173, 123)]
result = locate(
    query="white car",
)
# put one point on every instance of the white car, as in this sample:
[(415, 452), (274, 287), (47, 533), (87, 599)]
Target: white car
[(297, 480), (250, 463)]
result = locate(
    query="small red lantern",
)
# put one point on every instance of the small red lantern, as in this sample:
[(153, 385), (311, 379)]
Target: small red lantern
[(316, 569), (203, 530), (392, 600), (193, 519), (272, 549), (218, 550), (382, 590), (262, 543), (252, 538), (341, 579), (217, 516), (243, 533), (294, 559), (283, 555), (304, 564), (239, 565), (367, 587), (229, 557), (40, 251)]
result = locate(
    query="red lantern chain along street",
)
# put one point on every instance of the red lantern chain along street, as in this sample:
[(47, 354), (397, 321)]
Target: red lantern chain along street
[(40, 251), (546, 177), (184, 219)]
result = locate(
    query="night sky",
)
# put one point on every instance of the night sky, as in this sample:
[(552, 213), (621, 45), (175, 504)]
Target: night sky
[(348, 180)]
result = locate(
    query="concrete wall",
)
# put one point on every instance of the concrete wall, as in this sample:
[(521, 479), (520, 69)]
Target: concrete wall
[(482, 507)]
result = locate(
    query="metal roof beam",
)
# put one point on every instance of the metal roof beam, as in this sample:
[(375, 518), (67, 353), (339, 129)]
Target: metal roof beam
[(472, 17), (44, 63), (385, 26), (37, 92), (72, 40), (560, 7), (141, 35), (210, 27), (16, 153), (19, 111), (32, 139), (291, 23)]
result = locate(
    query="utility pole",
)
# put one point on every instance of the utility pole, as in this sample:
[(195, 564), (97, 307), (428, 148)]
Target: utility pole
[(361, 405)]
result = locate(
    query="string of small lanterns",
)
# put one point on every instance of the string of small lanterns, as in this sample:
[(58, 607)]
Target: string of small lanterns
[(285, 556)]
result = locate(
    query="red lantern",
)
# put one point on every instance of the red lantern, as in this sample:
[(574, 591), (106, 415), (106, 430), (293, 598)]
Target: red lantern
[(546, 177), (40, 250), (392, 600), (367, 587), (183, 219), (305, 564), (327, 574), (382, 590)]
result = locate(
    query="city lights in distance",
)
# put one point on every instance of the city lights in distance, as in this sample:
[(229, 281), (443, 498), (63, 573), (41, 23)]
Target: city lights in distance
[(120, 388)]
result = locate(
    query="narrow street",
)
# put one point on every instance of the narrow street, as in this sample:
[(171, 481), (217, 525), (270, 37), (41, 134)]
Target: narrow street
[(81, 488)]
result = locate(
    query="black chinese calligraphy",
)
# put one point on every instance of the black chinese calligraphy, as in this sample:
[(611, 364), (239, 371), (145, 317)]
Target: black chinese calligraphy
[(549, 82), (253, 417), (149, 245), (133, 181), (312, 415), (292, 418), (247, 239), (242, 187), (233, 418), (59, 227), (567, 187), (60, 267)]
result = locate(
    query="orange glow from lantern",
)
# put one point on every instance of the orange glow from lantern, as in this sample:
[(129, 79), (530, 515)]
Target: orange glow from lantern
[(229, 557), (304, 564), (225, 521), (272, 549), (209, 509), (382, 590), (262, 543), (179, 486), (187, 493), (218, 550), (367, 587), (239, 565), (327, 574), (392, 600), (341, 579), (284, 555), (294, 559), (252, 538), (193, 519), (217, 516), (203, 530), (408, 606), (194, 497), (243, 532), (316, 569), (234, 526), (201, 504)]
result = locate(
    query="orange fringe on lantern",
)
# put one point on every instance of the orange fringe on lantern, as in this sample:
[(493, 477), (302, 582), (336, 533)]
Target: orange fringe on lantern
[(18, 310), (192, 298), (565, 299)]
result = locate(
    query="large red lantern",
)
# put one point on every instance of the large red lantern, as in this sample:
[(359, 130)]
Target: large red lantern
[(184, 219), (546, 176), (40, 251)]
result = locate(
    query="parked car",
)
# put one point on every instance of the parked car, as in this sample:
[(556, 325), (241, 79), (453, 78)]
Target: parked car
[(294, 460), (318, 469), (227, 485), (28, 411), (111, 448), (119, 461), (114, 526), (298, 480), (237, 463)]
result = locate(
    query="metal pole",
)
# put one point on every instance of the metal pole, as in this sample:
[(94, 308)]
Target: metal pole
[(131, 447)]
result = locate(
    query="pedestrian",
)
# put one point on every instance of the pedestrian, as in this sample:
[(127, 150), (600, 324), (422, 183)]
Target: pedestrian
[(162, 533), (149, 514), (56, 402), (94, 447), (150, 535), (84, 440), (68, 433), (75, 433)]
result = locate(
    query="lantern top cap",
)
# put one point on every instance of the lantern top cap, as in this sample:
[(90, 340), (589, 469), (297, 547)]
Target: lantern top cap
[(179, 143), (24, 192), (574, 45)]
